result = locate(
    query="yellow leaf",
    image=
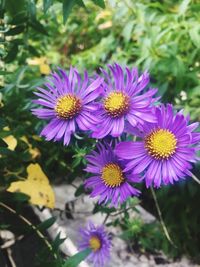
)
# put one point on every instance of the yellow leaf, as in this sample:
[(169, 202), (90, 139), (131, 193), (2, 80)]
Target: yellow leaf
[(11, 141), (44, 69), (41, 62), (6, 128), (103, 15), (35, 152), (36, 61), (36, 186)]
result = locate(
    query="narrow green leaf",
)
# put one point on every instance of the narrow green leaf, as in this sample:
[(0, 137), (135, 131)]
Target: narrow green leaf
[(183, 7), (36, 25), (19, 18), (16, 30), (32, 9), (57, 242), (100, 3), (47, 4), (80, 190), (67, 7), (81, 3), (2, 72), (77, 258), (46, 224), (12, 53)]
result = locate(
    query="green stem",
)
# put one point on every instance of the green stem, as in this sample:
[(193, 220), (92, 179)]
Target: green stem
[(161, 218), (31, 225)]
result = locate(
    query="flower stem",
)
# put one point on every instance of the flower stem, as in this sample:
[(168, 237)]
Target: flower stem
[(161, 218), (195, 179), (31, 225)]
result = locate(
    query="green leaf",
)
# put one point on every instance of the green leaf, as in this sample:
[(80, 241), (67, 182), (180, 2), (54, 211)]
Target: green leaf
[(128, 30), (19, 18), (32, 9), (100, 3), (36, 25), (81, 3), (47, 4), (2, 72), (79, 191), (57, 242), (12, 53), (183, 7), (2, 123), (67, 7), (21, 197), (16, 30), (14, 7), (77, 258), (2, 143), (195, 35), (46, 224)]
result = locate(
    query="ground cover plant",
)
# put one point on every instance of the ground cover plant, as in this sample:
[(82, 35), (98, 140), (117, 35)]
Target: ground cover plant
[(111, 96)]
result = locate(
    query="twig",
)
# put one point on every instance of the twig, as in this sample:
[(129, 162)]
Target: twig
[(106, 218), (161, 218), (31, 225), (195, 179), (9, 253)]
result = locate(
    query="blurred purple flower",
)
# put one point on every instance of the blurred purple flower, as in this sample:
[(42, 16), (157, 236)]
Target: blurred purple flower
[(124, 100), (98, 241), (167, 149), (109, 181), (68, 102)]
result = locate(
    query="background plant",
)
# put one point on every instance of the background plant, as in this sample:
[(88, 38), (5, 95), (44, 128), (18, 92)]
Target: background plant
[(161, 36)]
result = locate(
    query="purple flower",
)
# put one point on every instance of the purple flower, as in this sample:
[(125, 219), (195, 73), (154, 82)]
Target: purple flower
[(124, 100), (109, 181), (68, 103), (98, 241), (166, 150)]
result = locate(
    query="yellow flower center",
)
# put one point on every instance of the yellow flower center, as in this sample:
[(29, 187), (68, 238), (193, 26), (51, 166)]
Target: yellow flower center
[(95, 243), (116, 104), (67, 106), (112, 175), (161, 144)]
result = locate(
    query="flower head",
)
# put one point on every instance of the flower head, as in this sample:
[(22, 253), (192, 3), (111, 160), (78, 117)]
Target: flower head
[(167, 149), (109, 181), (124, 101), (68, 103), (96, 238)]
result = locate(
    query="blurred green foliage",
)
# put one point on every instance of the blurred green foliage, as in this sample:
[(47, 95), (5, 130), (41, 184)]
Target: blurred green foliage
[(160, 36)]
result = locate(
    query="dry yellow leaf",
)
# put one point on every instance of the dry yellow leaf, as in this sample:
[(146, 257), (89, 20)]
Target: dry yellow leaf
[(11, 141), (41, 62), (36, 61), (103, 14), (36, 186), (45, 69), (6, 128), (35, 152)]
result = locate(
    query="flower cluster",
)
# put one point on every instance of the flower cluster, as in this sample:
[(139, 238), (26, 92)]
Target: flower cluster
[(119, 102), (152, 142)]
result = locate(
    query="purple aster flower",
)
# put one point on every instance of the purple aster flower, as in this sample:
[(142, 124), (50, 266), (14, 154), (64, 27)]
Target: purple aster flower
[(68, 103), (98, 241), (109, 181), (124, 100), (166, 150)]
